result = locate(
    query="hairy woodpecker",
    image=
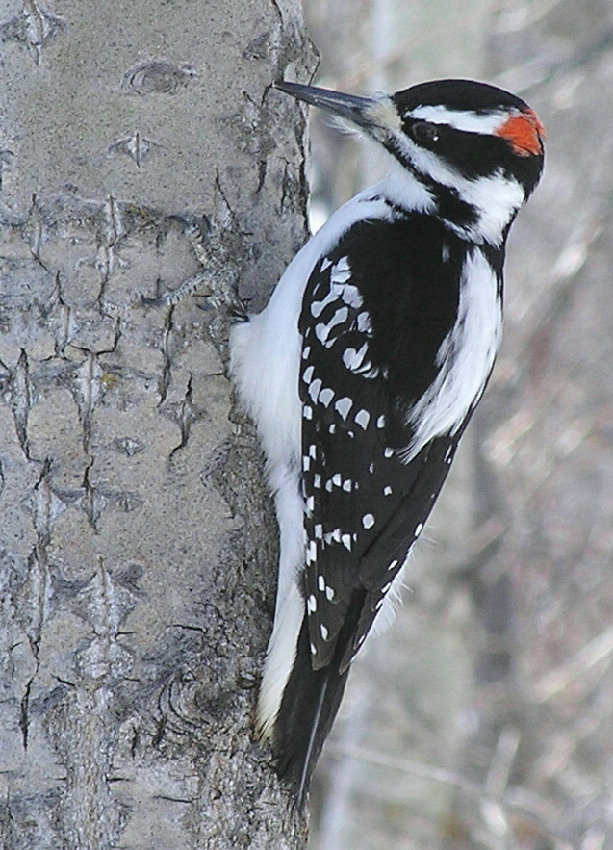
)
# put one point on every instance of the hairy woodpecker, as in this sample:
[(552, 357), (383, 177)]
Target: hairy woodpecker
[(363, 371)]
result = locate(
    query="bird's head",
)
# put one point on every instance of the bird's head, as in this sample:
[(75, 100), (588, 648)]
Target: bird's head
[(469, 152)]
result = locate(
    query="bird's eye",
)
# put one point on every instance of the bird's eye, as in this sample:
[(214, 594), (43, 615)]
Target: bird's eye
[(425, 133)]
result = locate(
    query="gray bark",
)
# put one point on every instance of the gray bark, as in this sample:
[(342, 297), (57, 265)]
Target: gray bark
[(136, 538)]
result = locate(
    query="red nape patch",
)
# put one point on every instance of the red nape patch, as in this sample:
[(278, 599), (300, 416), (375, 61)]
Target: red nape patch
[(524, 132)]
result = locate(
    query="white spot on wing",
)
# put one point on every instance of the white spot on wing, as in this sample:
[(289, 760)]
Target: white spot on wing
[(314, 389), (326, 396), (343, 405), (351, 296), (364, 322), (368, 521), (323, 331), (341, 271), (363, 418), (353, 357), (317, 307)]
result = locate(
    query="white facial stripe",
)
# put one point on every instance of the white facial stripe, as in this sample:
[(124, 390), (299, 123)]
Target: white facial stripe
[(470, 122), (405, 189), (496, 198)]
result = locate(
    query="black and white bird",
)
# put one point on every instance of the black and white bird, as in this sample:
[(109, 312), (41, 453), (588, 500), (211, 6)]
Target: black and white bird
[(363, 371)]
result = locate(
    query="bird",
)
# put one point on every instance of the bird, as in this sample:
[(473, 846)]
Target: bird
[(362, 373)]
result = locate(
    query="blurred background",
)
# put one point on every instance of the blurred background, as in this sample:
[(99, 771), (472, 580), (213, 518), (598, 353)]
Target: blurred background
[(482, 718)]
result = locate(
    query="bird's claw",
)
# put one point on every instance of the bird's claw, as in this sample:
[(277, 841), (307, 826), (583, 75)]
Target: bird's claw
[(216, 280)]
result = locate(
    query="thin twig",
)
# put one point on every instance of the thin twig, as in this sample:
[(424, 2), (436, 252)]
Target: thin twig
[(409, 766), (556, 680)]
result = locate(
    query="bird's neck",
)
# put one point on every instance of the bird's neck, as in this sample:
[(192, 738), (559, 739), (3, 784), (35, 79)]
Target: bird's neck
[(479, 211)]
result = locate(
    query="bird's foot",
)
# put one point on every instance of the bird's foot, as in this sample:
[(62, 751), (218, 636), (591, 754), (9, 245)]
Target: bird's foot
[(216, 280)]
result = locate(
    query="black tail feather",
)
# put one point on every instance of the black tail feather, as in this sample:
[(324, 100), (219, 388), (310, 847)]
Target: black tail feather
[(310, 703)]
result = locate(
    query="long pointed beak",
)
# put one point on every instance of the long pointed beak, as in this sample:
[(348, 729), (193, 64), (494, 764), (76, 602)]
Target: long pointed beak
[(356, 109)]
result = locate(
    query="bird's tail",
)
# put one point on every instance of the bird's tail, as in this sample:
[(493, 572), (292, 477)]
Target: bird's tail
[(310, 703), (311, 700)]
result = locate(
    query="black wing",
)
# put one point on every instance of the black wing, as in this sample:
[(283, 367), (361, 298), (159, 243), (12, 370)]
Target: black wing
[(365, 506)]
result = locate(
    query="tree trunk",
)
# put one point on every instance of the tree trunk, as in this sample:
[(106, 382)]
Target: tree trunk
[(136, 537)]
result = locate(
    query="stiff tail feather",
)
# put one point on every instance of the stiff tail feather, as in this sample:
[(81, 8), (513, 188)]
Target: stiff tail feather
[(310, 703)]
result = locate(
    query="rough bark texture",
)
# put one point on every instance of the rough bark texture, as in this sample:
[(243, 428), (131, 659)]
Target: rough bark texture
[(136, 553)]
